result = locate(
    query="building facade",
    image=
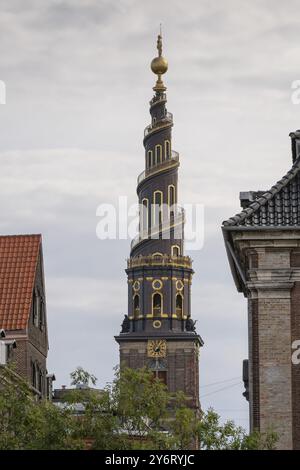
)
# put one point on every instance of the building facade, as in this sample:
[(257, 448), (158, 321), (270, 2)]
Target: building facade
[(158, 331), (263, 247), (23, 318)]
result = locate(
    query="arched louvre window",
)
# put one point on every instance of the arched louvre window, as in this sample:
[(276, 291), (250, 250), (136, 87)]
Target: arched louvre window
[(179, 305), (157, 202), (144, 215), (171, 195), (136, 305), (171, 199), (149, 159), (167, 149), (157, 304), (175, 250), (158, 154)]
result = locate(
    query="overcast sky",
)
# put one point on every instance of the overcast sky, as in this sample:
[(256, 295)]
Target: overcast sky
[(78, 87)]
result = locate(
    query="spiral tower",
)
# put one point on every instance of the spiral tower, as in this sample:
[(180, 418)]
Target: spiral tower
[(158, 330)]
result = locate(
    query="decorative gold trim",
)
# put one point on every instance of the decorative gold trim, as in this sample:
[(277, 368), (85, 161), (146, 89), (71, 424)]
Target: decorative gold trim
[(156, 324), (149, 278), (159, 282), (163, 260), (163, 315), (136, 286), (179, 285)]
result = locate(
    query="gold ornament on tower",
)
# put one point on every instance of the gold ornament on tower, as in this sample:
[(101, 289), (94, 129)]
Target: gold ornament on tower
[(159, 66)]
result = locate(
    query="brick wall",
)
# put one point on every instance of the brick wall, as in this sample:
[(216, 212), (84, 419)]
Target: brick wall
[(182, 365)]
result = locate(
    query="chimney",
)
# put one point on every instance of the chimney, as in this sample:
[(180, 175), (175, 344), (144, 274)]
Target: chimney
[(64, 387), (295, 141)]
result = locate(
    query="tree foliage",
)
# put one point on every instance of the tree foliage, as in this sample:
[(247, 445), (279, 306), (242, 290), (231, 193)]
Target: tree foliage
[(135, 411)]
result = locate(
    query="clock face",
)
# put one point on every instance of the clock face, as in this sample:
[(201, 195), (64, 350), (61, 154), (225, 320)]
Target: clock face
[(157, 348)]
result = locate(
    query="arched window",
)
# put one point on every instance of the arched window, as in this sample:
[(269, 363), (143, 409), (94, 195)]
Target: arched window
[(36, 303), (167, 149), (179, 305), (158, 154), (157, 254), (40, 383), (136, 305), (157, 304), (149, 159), (33, 374), (171, 199), (175, 250), (157, 207), (144, 216)]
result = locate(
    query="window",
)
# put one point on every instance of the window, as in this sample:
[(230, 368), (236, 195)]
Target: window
[(162, 376), (157, 304), (36, 308), (175, 250), (179, 305), (40, 381), (171, 199), (33, 374), (158, 154), (171, 195), (157, 200), (136, 306), (149, 159), (167, 149), (42, 314), (144, 215)]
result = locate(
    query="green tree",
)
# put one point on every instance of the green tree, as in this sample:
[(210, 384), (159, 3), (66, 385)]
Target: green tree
[(29, 423), (135, 411)]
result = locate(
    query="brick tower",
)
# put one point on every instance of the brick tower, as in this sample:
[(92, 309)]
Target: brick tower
[(263, 247), (158, 331)]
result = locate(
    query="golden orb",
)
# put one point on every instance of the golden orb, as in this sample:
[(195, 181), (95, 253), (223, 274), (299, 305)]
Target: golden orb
[(159, 65)]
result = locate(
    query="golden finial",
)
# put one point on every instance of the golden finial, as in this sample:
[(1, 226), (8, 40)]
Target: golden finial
[(159, 65)]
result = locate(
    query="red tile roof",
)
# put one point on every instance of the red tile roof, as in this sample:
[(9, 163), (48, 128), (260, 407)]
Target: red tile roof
[(18, 262)]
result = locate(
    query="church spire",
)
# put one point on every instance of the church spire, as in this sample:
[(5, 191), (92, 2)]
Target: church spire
[(159, 65)]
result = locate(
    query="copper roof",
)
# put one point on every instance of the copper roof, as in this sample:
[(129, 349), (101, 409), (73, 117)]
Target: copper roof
[(18, 262)]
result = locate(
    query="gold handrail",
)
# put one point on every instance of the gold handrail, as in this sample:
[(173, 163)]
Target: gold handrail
[(157, 260), (169, 163)]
